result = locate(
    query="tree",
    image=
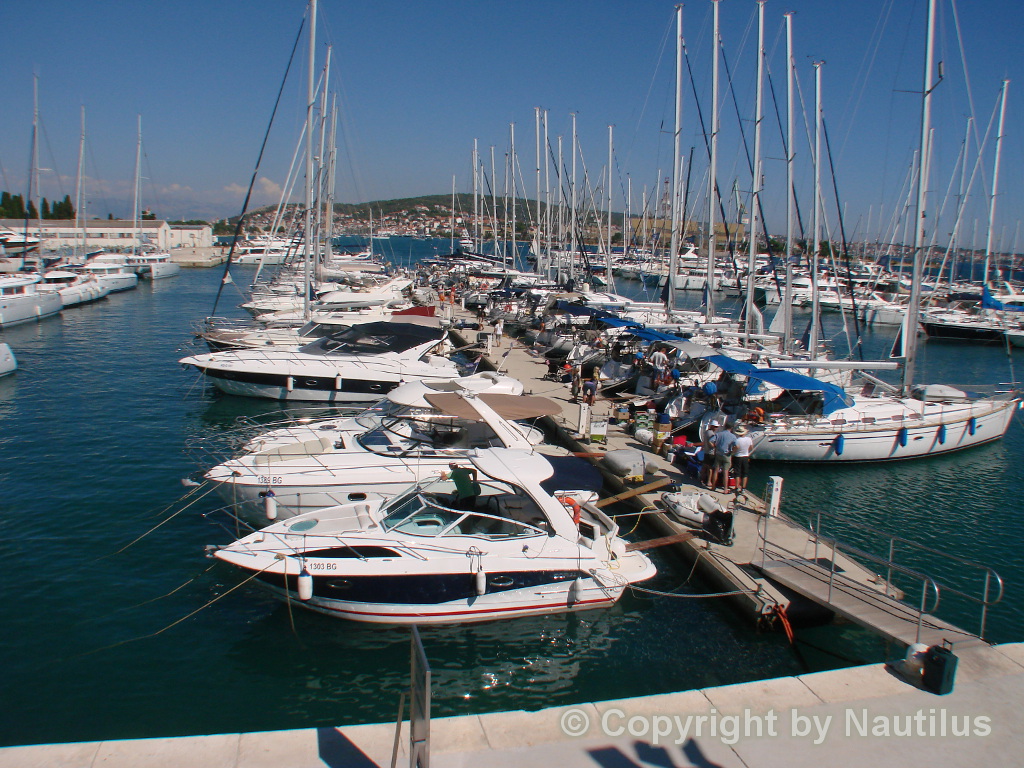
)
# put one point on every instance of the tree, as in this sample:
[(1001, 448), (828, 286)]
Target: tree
[(46, 209), (32, 212)]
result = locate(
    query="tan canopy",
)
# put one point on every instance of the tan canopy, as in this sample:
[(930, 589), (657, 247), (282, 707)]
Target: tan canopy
[(510, 407)]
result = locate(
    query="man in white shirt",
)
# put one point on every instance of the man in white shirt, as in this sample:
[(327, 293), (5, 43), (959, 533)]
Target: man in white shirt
[(741, 457)]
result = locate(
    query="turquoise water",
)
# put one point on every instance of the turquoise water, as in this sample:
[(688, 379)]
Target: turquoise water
[(116, 624)]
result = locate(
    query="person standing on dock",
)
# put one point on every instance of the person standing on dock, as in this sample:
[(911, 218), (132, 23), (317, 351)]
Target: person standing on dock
[(725, 444), (499, 330), (707, 462), (741, 457)]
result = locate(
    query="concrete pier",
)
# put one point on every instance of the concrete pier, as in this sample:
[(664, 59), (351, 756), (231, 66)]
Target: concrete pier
[(847, 718)]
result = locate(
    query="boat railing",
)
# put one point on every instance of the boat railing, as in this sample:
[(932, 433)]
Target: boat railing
[(989, 593)]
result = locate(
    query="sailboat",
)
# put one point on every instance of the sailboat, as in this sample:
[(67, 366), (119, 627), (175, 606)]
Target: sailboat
[(807, 422)]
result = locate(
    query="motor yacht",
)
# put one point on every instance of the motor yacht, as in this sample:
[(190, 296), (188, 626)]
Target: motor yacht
[(422, 558)]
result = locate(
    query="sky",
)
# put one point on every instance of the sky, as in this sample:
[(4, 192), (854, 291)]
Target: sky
[(417, 82)]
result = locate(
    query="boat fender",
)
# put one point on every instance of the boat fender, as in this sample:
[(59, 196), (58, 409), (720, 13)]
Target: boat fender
[(574, 591), (972, 425), (942, 434), (270, 504), (901, 436), (480, 578), (839, 444), (574, 505), (305, 585)]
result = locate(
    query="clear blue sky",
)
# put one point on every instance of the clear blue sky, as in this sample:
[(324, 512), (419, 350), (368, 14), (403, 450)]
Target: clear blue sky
[(418, 81)]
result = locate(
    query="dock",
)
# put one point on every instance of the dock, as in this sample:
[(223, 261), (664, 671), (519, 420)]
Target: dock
[(774, 571)]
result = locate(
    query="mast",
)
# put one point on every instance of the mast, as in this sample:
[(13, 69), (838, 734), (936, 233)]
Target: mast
[(713, 171), (138, 175), (787, 300), (476, 197), (547, 197), (914, 305), (995, 183), (538, 232), (812, 346), (673, 256), (755, 199), (572, 212), (512, 173), (452, 233), (608, 256), (79, 219), (310, 98)]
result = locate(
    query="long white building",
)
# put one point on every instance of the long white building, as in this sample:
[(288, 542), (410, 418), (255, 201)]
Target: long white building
[(120, 234)]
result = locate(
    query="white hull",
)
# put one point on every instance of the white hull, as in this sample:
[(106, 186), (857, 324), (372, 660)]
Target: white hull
[(554, 598), (28, 307), (8, 363), (82, 294), (158, 270), (958, 428)]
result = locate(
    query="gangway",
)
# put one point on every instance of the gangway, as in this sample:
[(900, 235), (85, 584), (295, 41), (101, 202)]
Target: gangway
[(833, 573)]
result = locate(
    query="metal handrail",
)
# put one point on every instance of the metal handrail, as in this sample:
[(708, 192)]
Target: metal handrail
[(985, 601), (927, 582)]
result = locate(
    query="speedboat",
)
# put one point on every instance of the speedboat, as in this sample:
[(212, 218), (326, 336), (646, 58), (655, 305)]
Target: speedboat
[(521, 550), (21, 300), (359, 364), (384, 456)]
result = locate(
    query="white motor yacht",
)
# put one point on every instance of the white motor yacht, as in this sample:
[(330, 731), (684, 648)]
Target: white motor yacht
[(21, 300), (360, 364), (381, 457), (153, 265), (520, 550), (112, 270)]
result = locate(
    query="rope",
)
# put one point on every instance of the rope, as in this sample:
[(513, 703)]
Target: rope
[(696, 597), (173, 623), (162, 522)]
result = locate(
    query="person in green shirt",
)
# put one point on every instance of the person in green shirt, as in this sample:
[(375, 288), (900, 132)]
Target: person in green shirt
[(467, 489)]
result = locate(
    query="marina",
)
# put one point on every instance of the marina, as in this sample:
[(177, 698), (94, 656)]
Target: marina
[(517, 664), (529, 482)]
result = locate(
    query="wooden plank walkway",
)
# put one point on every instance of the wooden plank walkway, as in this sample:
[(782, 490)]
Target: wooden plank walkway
[(870, 608)]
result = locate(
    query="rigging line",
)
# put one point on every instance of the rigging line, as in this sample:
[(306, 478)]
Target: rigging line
[(152, 599), (842, 235), (173, 623), (252, 181), (659, 593), (162, 522)]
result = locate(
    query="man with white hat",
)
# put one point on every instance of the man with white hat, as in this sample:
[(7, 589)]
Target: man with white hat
[(741, 457)]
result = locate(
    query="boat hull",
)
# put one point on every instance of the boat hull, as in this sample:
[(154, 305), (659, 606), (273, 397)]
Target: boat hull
[(904, 440)]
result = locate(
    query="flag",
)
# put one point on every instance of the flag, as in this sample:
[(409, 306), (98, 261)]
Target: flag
[(227, 279)]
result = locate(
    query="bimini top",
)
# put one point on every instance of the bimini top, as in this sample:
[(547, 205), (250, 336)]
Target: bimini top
[(374, 338), (835, 397)]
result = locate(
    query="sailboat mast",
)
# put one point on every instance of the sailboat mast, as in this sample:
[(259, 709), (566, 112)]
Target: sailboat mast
[(79, 220), (608, 256), (995, 183), (713, 170), (914, 305), (310, 98), (476, 198), (755, 194), (673, 255), (572, 213), (787, 299), (812, 345), (138, 175)]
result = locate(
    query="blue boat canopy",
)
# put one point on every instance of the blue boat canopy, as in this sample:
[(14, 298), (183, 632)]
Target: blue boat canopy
[(835, 397)]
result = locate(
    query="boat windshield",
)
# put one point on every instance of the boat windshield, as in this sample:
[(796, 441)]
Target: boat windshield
[(501, 511)]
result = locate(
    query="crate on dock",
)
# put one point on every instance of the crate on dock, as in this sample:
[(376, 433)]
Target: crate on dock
[(599, 431)]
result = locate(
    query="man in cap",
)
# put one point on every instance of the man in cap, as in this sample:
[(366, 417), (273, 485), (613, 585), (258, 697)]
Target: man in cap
[(725, 443)]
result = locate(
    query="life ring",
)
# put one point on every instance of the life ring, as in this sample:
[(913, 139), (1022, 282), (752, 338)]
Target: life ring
[(508, 307), (574, 505)]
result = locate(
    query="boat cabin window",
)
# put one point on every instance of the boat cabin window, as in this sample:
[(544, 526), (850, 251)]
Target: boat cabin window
[(498, 513)]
